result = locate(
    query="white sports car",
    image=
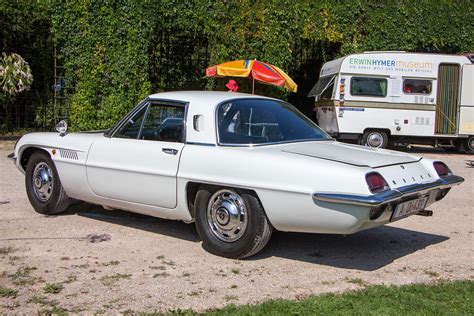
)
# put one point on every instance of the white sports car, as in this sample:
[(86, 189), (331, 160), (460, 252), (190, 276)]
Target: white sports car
[(238, 165)]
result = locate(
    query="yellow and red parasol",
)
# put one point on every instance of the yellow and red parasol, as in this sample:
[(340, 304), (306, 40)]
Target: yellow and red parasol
[(257, 70)]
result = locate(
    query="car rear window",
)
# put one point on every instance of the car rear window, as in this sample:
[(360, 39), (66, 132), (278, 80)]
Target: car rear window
[(262, 121)]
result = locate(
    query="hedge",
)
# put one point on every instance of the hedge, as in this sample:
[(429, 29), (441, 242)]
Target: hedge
[(117, 51)]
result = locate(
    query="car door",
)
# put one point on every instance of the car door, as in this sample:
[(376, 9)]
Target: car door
[(138, 163)]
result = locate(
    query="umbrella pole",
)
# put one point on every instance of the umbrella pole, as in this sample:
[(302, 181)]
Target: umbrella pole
[(253, 86)]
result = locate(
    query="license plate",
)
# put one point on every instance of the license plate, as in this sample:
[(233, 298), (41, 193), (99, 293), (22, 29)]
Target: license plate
[(409, 208)]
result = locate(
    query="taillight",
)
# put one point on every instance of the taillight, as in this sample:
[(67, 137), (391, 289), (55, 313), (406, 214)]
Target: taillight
[(376, 182), (441, 169)]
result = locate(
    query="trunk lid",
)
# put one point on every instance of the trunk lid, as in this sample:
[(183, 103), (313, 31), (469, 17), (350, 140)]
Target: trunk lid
[(350, 154)]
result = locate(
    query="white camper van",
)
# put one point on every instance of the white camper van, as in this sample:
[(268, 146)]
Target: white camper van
[(377, 98)]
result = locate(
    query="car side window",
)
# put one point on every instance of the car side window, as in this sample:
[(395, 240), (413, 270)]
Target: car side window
[(131, 129), (165, 123)]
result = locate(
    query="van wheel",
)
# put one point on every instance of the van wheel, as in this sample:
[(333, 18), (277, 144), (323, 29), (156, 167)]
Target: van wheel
[(231, 222), (43, 187), (468, 145), (375, 139)]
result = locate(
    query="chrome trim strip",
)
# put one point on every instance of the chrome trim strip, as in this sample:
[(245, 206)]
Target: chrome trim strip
[(387, 196), (200, 144)]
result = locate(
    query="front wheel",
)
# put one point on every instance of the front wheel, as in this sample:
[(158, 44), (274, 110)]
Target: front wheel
[(43, 187), (375, 139), (231, 222), (468, 145)]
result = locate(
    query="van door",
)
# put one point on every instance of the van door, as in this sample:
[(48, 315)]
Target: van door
[(466, 115), (447, 101)]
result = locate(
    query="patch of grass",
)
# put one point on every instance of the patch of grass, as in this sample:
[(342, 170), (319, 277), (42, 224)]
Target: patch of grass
[(111, 263), (160, 257), (235, 271), (70, 278), (49, 307), (234, 298), (13, 258), (357, 281), (6, 250), (65, 258), (186, 274), (447, 298), (81, 266), (6, 292), (158, 267), (110, 279), (233, 286), (194, 293), (432, 274), (53, 288), (161, 274), (169, 262), (22, 276)]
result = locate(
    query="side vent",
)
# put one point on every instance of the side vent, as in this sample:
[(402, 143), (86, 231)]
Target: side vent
[(68, 154)]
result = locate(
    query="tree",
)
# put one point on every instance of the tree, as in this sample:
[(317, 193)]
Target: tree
[(15, 77)]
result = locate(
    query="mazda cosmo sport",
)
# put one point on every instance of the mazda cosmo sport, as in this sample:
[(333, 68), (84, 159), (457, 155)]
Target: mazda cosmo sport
[(237, 165)]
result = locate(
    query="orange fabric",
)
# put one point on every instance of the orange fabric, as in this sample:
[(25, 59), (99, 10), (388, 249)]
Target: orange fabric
[(257, 70)]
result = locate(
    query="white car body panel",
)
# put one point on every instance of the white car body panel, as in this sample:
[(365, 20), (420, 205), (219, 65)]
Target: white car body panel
[(136, 175), (115, 165)]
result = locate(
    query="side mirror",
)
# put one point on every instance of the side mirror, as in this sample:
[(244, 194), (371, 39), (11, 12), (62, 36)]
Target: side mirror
[(61, 127)]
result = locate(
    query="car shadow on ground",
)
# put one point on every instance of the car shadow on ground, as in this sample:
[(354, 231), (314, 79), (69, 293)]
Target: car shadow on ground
[(151, 224), (367, 250)]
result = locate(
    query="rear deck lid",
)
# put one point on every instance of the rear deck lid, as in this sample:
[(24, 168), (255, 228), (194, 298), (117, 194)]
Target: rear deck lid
[(350, 154)]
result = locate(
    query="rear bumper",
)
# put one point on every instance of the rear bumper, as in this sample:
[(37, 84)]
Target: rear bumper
[(390, 195)]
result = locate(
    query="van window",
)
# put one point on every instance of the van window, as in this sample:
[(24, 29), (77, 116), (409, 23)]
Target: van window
[(327, 93), (371, 87), (417, 86), (323, 84)]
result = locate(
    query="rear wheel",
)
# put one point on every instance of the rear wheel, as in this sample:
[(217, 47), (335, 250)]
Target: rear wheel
[(43, 186), (375, 139), (231, 222), (468, 145)]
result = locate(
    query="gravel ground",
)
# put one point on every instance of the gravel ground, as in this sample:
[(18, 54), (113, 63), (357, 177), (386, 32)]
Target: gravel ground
[(115, 261)]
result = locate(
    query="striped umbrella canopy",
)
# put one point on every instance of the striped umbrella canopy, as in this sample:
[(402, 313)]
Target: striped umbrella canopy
[(257, 70)]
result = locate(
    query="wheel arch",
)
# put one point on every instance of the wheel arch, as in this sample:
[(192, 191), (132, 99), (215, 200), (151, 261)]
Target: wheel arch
[(377, 129), (26, 154), (192, 188)]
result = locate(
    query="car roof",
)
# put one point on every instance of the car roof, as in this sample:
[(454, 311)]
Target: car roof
[(203, 97)]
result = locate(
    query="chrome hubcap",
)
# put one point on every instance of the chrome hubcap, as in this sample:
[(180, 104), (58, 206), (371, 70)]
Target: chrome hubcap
[(43, 181), (470, 143), (227, 215), (374, 140)]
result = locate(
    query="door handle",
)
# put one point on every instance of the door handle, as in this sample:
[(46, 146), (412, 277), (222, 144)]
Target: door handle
[(170, 151)]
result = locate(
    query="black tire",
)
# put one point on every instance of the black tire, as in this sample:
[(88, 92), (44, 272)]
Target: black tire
[(254, 237), (468, 145), (382, 138), (58, 201)]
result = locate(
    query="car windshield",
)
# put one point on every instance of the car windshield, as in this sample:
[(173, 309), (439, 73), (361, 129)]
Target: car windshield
[(262, 121)]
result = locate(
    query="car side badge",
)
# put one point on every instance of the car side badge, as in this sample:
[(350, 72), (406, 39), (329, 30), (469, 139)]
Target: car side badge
[(61, 127)]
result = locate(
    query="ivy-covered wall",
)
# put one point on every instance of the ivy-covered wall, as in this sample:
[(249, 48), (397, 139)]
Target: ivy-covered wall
[(118, 51)]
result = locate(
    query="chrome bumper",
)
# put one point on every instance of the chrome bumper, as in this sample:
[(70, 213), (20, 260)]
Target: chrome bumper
[(390, 195)]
